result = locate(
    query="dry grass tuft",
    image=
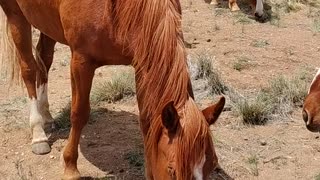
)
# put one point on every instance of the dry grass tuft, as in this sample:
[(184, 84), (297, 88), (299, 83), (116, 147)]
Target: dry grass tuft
[(120, 86)]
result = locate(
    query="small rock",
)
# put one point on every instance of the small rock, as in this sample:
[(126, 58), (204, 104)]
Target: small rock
[(246, 139), (52, 157), (121, 170), (83, 136), (263, 143), (208, 40), (317, 137)]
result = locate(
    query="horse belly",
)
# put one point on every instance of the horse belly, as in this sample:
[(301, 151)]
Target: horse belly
[(44, 15)]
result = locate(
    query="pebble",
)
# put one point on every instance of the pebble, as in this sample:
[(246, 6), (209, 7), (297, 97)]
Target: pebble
[(263, 143), (52, 157)]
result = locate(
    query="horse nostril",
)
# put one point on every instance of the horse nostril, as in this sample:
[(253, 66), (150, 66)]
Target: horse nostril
[(305, 116)]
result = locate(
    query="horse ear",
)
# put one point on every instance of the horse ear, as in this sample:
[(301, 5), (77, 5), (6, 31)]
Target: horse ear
[(212, 113), (315, 82), (170, 117)]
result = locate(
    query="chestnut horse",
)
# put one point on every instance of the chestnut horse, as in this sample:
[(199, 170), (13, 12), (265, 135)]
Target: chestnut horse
[(311, 106), (147, 34)]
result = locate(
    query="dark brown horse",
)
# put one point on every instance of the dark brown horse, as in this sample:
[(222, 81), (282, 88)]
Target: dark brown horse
[(311, 106), (144, 33)]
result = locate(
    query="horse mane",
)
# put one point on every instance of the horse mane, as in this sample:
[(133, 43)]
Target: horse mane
[(153, 31)]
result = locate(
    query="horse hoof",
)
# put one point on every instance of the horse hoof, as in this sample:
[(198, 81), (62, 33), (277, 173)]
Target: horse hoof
[(41, 148)]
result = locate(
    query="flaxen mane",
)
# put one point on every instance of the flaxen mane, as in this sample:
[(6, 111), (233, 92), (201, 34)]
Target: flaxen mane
[(159, 55), (162, 74)]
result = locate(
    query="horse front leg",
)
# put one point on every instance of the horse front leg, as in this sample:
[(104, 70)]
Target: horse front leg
[(82, 73)]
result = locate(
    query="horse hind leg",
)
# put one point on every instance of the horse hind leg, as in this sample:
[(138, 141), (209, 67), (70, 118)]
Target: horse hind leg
[(21, 35), (82, 73), (44, 57)]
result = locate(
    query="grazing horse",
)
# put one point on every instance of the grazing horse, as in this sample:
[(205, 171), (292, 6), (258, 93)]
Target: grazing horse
[(147, 34), (256, 5), (311, 106)]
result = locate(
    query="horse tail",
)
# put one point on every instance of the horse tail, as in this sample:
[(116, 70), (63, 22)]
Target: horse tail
[(9, 58)]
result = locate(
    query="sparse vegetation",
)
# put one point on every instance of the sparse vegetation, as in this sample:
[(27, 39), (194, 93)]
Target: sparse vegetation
[(275, 15), (254, 111), (120, 86), (135, 158), (215, 83), (62, 121), (253, 162), (241, 63), (242, 18), (293, 5), (260, 43), (279, 98), (204, 65), (316, 25), (317, 177), (285, 94), (205, 70)]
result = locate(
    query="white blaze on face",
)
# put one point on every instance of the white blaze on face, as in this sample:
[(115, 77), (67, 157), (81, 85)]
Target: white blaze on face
[(259, 7), (314, 79), (198, 169)]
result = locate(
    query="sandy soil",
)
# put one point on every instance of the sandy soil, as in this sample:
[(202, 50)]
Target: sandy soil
[(111, 144)]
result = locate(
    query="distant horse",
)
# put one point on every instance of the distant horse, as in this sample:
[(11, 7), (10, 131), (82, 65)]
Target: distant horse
[(147, 34), (256, 5), (311, 106)]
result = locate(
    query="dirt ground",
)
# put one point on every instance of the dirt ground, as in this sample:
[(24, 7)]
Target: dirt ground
[(111, 144)]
